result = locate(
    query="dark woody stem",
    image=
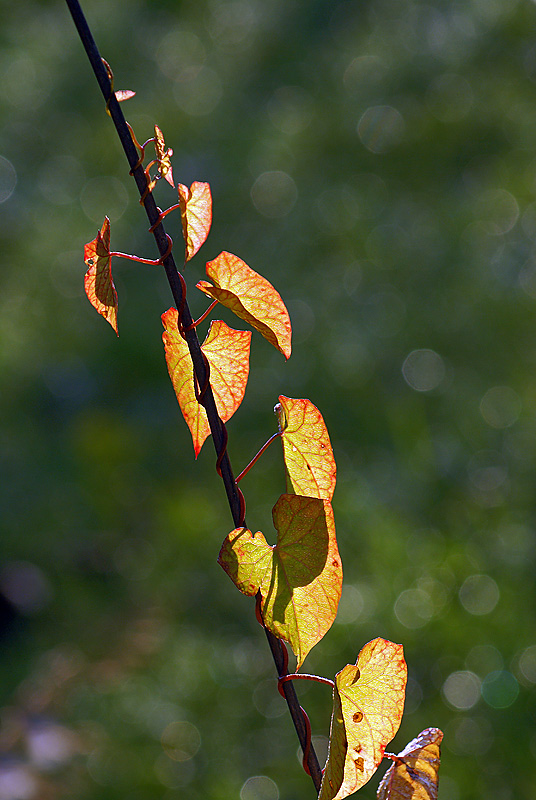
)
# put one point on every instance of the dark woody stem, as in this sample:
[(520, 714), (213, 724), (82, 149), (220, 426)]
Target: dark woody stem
[(201, 373)]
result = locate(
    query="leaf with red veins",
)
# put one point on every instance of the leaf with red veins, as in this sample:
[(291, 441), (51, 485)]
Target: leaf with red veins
[(251, 297), (227, 352), (163, 156), (124, 94), (300, 579), (307, 452), (98, 282), (196, 215), (368, 702), (414, 774)]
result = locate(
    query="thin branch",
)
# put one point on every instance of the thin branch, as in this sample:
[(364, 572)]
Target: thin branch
[(174, 279)]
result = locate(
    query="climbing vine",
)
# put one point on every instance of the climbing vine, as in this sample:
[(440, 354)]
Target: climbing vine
[(297, 583)]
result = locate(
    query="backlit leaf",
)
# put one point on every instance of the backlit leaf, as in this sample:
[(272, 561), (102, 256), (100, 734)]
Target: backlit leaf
[(251, 297), (368, 701), (227, 351), (299, 579), (124, 94), (163, 156), (414, 775), (98, 281), (196, 215), (309, 462)]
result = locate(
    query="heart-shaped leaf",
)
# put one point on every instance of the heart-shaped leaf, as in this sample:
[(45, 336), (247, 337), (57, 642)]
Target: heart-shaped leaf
[(98, 282), (163, 156), (196, 215), (299, 579), (251, 297), (368, 701), (227, 351), (309, 462), (414, 774)]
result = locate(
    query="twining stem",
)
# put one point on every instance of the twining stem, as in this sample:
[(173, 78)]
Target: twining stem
[(200, 319), (278, 650)]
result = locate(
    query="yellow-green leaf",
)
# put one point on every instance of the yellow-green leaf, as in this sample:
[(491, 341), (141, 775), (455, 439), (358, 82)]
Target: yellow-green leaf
[(98, 282), (251, 297), (227, 351), (414, 774), (368, 702), (299, 579), (309, 462), (196, 215)]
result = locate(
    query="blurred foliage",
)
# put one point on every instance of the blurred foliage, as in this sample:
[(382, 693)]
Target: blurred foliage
[(376, 161)]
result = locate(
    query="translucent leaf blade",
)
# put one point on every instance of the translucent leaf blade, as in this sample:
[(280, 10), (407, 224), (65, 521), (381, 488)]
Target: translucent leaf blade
[(307, 452), (196, 215), (251, 297), (98, 281), (124, 94), (163, 156), (414, 775), (368, 702), (227, 351), (300, 579)]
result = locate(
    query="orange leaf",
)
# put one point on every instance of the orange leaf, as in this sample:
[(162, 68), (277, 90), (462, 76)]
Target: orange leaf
[(98, 281), (414, 775), (299, 579), (196, 215), (124, 94), (368, 701), (251, 297), (163, 156), (227, 351), (309, 462)]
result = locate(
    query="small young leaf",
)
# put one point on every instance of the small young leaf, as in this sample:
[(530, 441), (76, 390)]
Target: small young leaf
[(299, 579), (98, 282), (310, 465), (414, 775), (163, 156), (368, 701), (196, 215), (227, 351), (124, 94), (251, 297)]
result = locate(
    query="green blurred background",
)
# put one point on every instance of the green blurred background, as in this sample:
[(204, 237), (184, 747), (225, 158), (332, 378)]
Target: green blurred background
[(375, 160)]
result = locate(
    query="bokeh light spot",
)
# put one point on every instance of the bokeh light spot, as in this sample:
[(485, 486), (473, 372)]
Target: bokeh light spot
[(423, 370), (102, 196), (350, 605), (381, 128), (180, 55), (259, 787), (290, 109), (499, 209), (479, 594), (527, 663), (25, 586), (414, 608), (500, 406), (462, 689), (181, 740), (8, 179), (199, 92), (274, 194), (500, 689), (469, 736)]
